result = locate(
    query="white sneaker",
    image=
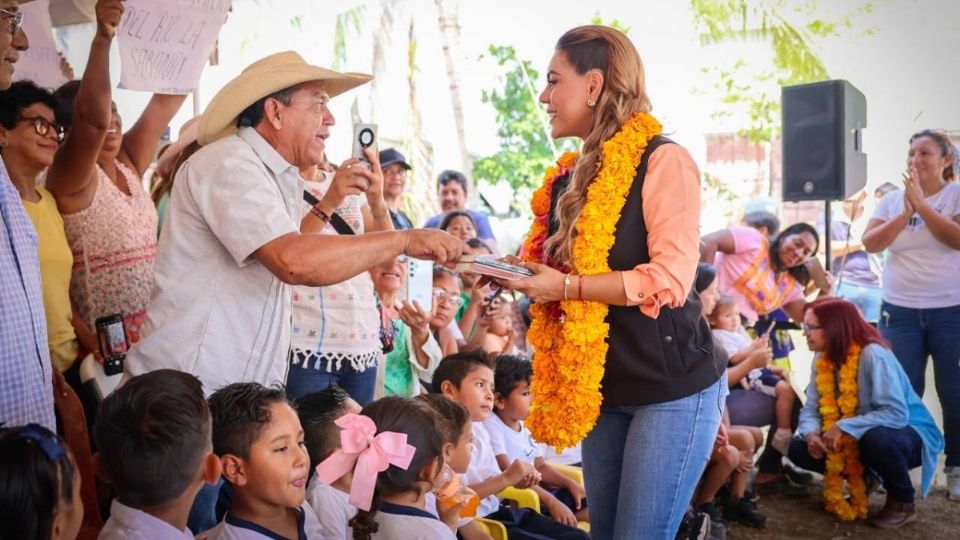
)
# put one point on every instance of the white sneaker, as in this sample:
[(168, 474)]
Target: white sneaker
[(953, 483), (781, 441)]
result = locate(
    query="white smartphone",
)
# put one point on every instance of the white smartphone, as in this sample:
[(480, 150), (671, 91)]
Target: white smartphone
[(364, 136), (419, 283)]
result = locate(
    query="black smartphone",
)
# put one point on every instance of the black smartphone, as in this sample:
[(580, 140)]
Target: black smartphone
[(112, 338)]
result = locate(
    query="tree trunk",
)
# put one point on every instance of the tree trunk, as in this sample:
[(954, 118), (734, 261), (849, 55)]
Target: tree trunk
[(449, 21)]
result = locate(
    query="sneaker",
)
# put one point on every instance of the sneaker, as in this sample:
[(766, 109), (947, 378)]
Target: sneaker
[(783, 485), (716, 516), (781, 441), (953, 482), (745, 512), (718, 531), (799, 476), (694, 526)]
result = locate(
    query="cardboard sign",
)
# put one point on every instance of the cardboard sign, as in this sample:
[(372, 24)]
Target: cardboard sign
[(41, 62), (164, 44)]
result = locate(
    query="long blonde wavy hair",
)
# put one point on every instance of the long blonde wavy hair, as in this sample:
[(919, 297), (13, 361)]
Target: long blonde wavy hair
[(623, 95)]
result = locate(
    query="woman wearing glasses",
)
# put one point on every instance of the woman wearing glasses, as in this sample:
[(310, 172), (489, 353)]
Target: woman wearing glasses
[(920, 314), (110, 221), (411, 353), (894, 431), (29, 137)]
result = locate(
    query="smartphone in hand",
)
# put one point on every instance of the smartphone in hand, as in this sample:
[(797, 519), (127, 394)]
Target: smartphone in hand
[(112, 338), (364, 136)]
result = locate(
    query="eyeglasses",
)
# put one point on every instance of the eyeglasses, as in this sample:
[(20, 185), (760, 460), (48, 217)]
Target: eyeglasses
[(807, 328), (441, 295), (15, 18), (43, 126)]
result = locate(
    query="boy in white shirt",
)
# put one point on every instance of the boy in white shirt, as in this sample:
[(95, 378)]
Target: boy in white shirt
[(154, 439), (257, 435), (467, 378), (318, 411), (560, 496)]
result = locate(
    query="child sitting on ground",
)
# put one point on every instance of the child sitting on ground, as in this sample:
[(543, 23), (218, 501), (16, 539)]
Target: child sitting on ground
[(318, 413), (398, 437), (39, 485), (731, 460), (154, 439), (560, 496), (468, 379), (257, 435), (771, 380)]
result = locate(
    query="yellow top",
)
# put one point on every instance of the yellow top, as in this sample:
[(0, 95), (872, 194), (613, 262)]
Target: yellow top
[(56, 265)]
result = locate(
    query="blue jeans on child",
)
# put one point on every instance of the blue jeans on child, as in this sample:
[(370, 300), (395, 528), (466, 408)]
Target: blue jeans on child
[(306, 377), (642, 463), (914, 335), (866, 297), (890, 453)]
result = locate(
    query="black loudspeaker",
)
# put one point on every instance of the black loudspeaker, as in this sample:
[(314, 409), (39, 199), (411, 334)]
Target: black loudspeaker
[(822, 152)]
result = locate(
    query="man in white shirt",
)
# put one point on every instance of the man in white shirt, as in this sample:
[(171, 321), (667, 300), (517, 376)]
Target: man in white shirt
[(231, 246)]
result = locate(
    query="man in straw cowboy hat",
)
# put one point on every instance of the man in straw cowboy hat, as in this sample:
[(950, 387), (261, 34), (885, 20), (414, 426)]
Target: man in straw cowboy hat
[(231, 246)]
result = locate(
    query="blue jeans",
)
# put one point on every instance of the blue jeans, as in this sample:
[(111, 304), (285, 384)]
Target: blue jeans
[(303, 379), (642, 463), (890, 453), (916, 334), (865, 297)]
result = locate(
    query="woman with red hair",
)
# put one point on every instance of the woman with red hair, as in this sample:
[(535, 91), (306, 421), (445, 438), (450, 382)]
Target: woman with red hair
[(858, 390)]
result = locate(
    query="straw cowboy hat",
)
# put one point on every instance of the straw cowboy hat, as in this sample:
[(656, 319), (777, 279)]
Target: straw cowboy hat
[(262, 78)]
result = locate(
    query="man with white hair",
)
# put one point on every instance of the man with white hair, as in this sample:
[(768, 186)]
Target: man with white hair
[(26, 389), (231, 246)]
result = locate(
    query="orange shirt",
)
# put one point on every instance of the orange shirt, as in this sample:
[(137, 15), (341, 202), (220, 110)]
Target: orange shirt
[(671, 211)]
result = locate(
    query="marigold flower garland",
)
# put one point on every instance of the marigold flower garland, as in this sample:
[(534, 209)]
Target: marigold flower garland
[(844, 461), (569, 337)]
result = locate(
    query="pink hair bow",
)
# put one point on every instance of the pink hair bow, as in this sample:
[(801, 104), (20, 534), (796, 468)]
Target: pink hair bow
[(372, 454)]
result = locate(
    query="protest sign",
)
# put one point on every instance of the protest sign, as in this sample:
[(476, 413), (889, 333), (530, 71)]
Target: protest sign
[(41, 62), (164, 44)]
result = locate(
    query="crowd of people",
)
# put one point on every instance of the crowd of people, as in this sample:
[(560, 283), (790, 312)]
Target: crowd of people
[(281, 383)]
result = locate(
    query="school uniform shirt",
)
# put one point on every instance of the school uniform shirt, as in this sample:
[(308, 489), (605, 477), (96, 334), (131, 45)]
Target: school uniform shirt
[(483, 465), (128, 523), (234, 528), (333, 510), (512, 443), (398, 522)]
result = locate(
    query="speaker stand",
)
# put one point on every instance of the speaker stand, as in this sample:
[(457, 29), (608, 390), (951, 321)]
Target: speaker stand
[(826, 233)]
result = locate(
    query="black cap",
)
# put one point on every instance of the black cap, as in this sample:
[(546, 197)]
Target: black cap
[(391, 156)]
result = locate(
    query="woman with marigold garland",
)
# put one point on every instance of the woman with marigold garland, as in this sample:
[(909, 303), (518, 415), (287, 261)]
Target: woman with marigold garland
[(861, 413), (622, 352)]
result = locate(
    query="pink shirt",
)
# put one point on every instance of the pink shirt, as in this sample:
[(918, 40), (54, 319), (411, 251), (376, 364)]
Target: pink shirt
[(747, 275), (671, 211)]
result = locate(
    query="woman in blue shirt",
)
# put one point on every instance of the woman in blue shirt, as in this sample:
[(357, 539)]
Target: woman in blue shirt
[(894, 430)]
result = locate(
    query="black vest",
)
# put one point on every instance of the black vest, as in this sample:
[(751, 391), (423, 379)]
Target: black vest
[(649, 360)]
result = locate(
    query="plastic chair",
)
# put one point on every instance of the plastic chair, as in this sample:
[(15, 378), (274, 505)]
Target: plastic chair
[(527, 498), (494, 528)]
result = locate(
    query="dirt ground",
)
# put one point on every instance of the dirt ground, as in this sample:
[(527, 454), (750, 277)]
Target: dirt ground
[(938, 518)]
